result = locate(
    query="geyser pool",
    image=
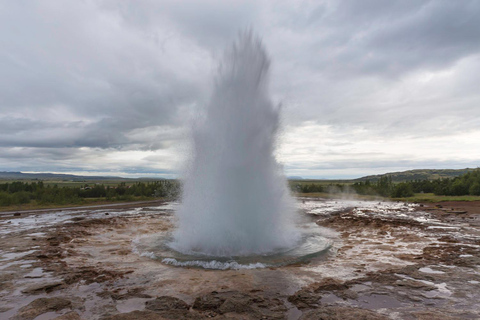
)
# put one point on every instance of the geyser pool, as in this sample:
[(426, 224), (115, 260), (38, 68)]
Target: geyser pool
[(312, 245), (235, 198)]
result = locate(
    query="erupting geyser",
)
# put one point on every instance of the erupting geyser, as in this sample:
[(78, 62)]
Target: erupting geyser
[(236, 210), (235, 199)]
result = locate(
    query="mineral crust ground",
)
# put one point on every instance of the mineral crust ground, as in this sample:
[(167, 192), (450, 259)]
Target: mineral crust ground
[(388, 261)]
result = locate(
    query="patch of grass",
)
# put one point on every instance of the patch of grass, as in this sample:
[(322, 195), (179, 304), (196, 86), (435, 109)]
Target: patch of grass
[(430, 197), (33, 205), (321, 182), (69, 183), (348, 196), (418, 197)]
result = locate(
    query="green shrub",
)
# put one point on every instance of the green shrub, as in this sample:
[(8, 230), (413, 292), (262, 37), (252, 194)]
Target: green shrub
[(21, 197), (5, 199), (475, 189), (402, 190)]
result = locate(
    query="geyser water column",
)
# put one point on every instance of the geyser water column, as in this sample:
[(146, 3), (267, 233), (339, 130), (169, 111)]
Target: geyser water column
[(236, 210), (235, 198)]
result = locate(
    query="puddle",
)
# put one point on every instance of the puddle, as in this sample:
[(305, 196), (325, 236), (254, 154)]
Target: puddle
[(377, 301), (360, 287), (13, 263), (15, 255), (36, 273), (293, 312), (430, 270), (131, 304), (37, 235), (49, 315), (330, 298)]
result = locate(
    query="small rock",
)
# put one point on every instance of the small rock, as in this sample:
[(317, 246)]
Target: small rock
[(414, 298), (348, 294), (69, 316), (4, 309), (132, 293), (43, 287), (135, 315), (250, 306), (166, 303), (427, 315), (237, 305), (343, 313), (40, 306), (329, 284), (415, 284), (303, 299), (208, 302)]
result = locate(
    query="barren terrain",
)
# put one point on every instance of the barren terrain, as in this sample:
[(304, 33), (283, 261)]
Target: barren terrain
[(388, 261)]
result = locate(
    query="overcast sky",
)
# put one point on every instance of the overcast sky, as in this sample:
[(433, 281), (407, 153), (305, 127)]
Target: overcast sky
[(366, 87)]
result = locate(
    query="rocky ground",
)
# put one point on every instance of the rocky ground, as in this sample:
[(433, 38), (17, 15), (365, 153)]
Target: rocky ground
[(388, 261)]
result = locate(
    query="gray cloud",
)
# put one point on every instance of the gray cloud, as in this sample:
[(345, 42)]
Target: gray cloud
[(101, 84), (210, 23), (384, 38), (76, 70)]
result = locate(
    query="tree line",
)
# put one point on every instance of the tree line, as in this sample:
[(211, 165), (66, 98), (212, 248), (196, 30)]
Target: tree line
[(466, 184), (18, 192)]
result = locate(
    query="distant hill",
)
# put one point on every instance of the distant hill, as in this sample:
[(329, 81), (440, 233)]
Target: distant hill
[(53, 176), (420, 174), (294, 178)]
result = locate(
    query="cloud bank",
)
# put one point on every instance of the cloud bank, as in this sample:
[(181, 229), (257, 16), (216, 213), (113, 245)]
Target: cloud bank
[(365, 86)]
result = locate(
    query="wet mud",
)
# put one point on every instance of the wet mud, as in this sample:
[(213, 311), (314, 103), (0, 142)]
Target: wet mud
[(388, 261)]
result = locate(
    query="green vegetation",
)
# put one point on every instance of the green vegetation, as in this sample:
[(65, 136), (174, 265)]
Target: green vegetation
[(384, 187), (321, 186), (419, 174), (430, 197), (15, 195), (465, 186), (18, 193), (325, 195)]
